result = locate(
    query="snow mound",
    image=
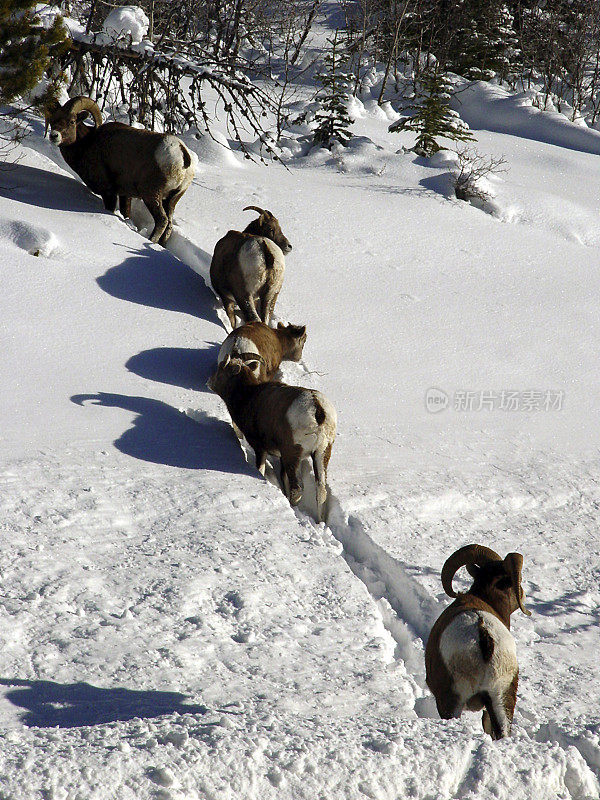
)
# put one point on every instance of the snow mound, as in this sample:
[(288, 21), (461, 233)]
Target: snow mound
[(488, 107), (361, 156), (211, 148), (127, 22), (33, 239)]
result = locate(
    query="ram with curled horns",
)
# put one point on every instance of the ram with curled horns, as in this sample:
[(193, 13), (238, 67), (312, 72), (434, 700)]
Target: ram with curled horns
[(470, 658), (247, 268), (119, 162)]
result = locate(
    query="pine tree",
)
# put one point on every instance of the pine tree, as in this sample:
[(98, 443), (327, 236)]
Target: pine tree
[(25, 48), (332, 119), (484, 44), (433, 119)]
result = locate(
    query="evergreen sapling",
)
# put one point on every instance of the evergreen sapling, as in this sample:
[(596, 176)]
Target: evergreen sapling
[(433, 118), (333, 121)]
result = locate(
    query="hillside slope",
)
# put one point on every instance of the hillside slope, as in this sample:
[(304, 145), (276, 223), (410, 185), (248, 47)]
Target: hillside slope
[(170, 627)]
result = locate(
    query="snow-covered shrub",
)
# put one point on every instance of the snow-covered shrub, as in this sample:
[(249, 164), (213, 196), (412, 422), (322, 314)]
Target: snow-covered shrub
[(469, 178), (127, 22)]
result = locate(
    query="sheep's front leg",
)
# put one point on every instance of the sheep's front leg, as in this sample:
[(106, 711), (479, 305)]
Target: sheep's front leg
[(261, 460), (110, 202), (125, 205), (291, 464), (229, 306)]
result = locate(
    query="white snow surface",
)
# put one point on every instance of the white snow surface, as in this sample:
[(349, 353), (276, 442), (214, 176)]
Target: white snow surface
[(169, 627)]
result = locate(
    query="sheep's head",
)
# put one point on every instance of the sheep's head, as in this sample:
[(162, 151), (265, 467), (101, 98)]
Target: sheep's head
[(232, 371), (64, 121), (491, 573), (267, 225), (296, 337)]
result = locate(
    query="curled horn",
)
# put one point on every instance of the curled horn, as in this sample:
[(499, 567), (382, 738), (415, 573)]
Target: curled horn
[(514, 565), (250, 357), (78, 104), (255, 208), (465, 556)]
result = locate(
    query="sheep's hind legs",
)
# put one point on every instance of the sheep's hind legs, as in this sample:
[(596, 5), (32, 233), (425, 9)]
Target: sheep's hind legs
[(161, 220), (494, 719), (248, 309), (169, 204)]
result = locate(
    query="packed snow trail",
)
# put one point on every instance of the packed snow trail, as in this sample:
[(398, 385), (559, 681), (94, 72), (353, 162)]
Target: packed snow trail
[(406, 608)]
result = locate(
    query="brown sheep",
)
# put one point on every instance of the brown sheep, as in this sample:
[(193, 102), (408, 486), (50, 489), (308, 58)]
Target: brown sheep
[(264, 346), (286, 421), (470, 658), (117, 161), (247, 268)]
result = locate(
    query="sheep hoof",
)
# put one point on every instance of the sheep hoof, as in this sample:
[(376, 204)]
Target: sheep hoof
[(295, 496)]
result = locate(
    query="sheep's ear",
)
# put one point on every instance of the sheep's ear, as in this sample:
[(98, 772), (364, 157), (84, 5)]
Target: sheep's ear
[(302, 330), (280, 326)]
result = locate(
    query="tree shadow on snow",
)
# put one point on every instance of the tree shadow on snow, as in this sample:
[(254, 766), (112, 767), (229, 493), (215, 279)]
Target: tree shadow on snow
[(189, 368), (440, 184), (162, 434), (155, 278), (71, 705)]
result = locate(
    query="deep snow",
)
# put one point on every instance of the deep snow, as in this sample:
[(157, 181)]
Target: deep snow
[(170, 628)]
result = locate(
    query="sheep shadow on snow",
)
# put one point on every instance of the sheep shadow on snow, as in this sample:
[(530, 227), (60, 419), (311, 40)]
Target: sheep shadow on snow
[(71, 705), (41, 188), (189, 368), (153, 277), (162, 434)]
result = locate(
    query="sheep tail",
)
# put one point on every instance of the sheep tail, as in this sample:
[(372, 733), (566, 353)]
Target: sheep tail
[(269, 257), (319, 413), (486, 643), (187, 159)]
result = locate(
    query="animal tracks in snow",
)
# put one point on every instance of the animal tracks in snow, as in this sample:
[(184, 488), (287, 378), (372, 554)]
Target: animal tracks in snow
[(405, 608)]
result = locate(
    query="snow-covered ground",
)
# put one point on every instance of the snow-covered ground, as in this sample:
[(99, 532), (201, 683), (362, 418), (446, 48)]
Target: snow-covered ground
[(169, 627)]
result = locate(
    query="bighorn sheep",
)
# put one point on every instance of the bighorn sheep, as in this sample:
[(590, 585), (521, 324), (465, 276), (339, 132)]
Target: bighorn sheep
[(263, 346), (117, 161), (470, 658), (247, 268), (286, 421)]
